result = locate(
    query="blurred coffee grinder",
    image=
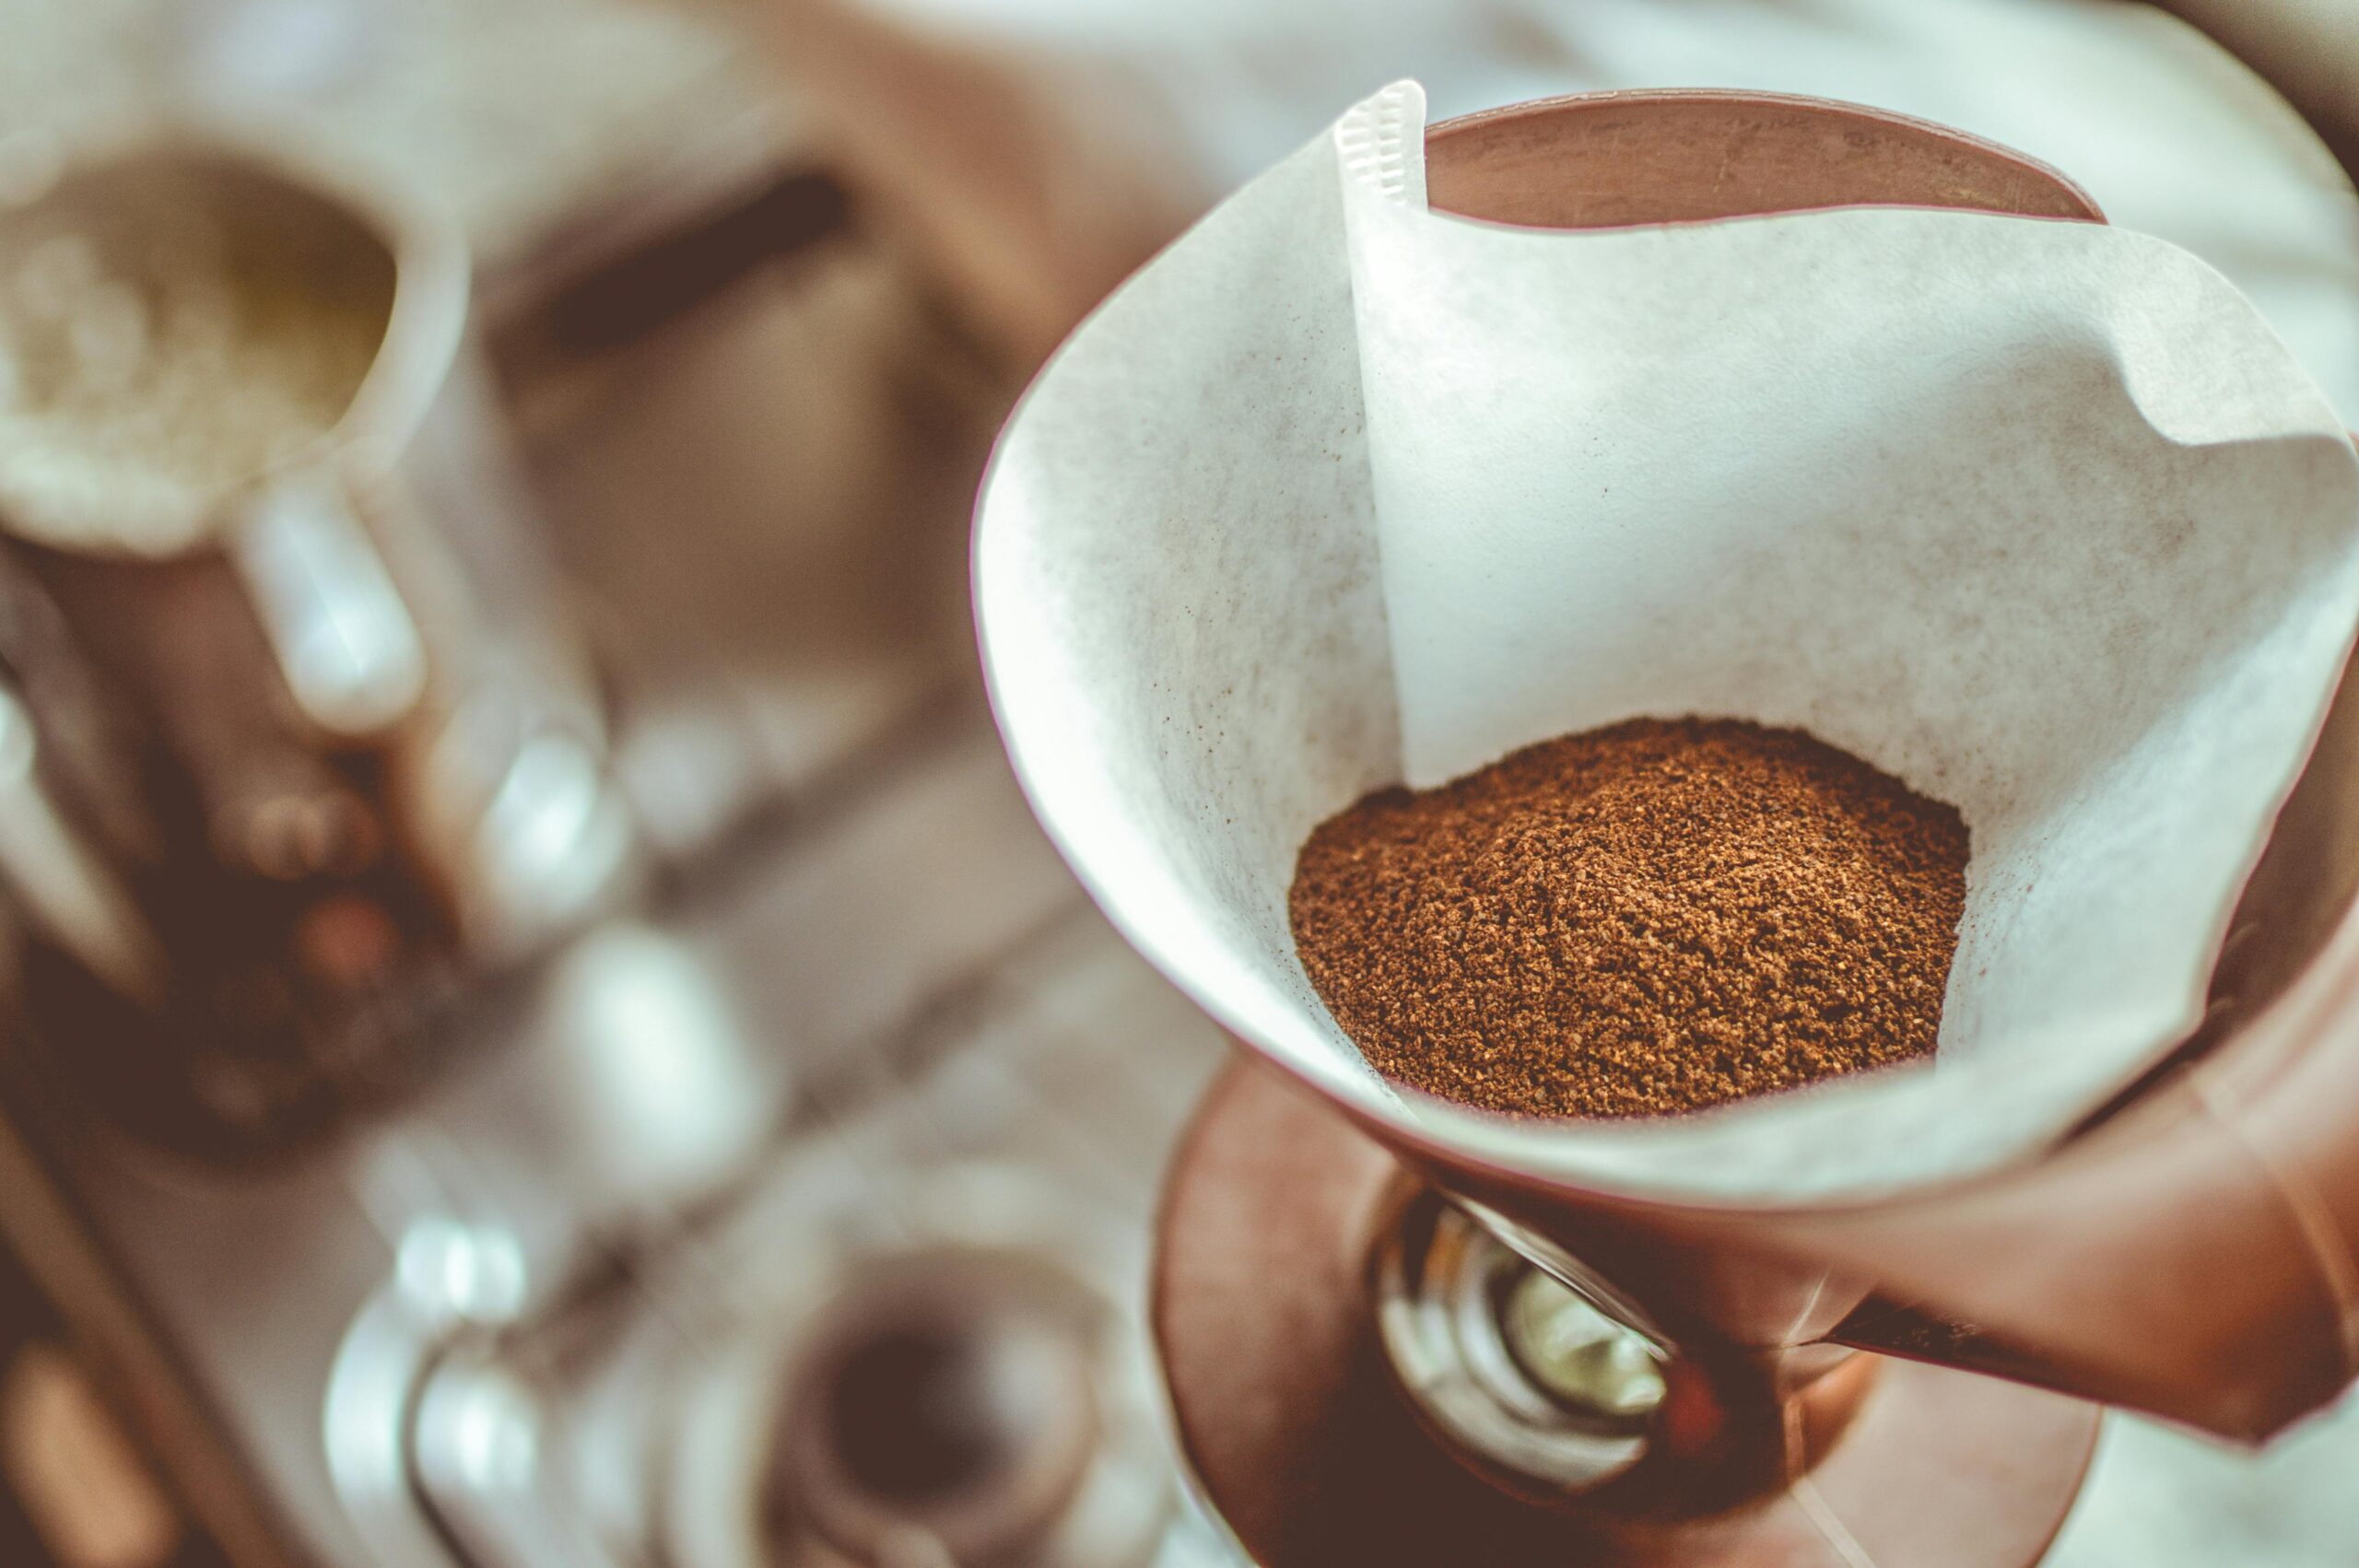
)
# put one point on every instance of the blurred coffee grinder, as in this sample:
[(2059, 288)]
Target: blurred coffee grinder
[(292, 732)]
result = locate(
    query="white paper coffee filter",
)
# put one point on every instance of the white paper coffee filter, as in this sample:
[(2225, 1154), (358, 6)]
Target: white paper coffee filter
[(1340, 492)]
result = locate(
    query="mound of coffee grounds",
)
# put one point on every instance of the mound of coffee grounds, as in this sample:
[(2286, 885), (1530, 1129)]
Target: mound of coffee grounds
[(1642, 919)]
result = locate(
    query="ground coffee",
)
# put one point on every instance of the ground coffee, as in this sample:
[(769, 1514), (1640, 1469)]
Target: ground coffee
[(1646, 919)]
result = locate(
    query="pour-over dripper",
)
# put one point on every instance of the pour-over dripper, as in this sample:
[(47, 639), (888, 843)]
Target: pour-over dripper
[(1274, 1205)]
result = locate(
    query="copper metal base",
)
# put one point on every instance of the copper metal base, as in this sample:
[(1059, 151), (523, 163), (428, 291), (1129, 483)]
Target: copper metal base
[(1295, 1432)]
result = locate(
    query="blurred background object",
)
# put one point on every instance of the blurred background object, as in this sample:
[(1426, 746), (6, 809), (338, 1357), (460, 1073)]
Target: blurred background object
[(521, 116), (2304, 48), (79, 1493), (779, 1192)]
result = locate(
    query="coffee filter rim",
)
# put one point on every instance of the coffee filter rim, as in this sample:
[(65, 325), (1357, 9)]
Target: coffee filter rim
[(1459, 1137)]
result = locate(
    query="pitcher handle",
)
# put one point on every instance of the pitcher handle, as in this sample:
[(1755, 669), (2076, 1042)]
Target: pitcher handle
[(343, 640)]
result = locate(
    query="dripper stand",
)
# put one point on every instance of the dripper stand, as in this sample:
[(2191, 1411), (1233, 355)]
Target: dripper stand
[(1363, 1373)]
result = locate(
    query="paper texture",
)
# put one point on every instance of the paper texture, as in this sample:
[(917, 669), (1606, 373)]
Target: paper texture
[(1340, 491)]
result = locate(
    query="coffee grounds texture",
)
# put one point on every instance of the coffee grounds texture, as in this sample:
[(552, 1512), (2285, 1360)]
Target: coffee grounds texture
[(1649, 918)]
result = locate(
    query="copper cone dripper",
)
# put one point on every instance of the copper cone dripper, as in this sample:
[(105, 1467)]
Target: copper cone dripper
[(2182, 1254)]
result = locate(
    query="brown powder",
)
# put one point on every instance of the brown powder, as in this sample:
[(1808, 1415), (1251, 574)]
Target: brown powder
[(1646, 919)]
